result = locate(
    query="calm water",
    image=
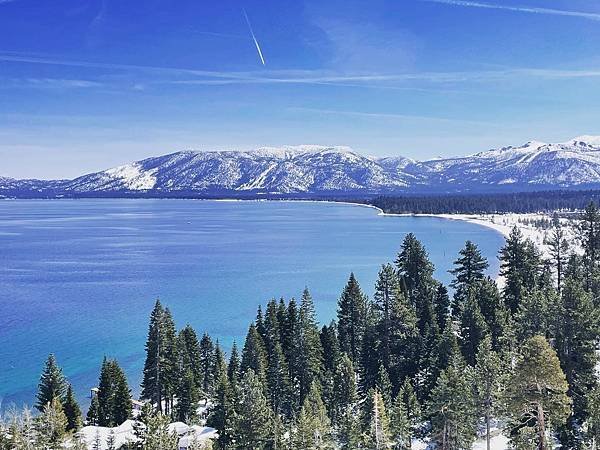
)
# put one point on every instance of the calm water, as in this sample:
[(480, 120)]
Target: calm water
[(79, 278)]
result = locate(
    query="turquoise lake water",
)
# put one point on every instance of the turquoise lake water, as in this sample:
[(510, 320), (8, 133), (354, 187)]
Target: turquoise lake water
[(79, 277)]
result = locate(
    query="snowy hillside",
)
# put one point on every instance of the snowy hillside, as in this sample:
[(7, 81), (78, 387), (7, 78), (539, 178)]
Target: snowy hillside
[(328, 170)]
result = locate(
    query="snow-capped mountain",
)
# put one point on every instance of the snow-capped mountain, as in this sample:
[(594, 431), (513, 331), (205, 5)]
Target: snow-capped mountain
[(333, 170)]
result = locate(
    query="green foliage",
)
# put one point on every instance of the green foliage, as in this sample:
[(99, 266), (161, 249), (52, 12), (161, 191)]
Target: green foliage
[(521, 267), (452, 408), (189, 354), (160, 367), (254, 356), (313, 427), (187, 398), (352, 318), (536, 396), (255, 418), (405, 417), (309, 359), (93, 414), (489, 378), (473, 328), (52, 384), (158, 436), (378, 435), (469, 269), (51, 425), (224, 417), (114, 395), (72, 410)]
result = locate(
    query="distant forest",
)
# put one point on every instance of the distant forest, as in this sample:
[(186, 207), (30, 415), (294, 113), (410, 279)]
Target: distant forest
[(516, 202)]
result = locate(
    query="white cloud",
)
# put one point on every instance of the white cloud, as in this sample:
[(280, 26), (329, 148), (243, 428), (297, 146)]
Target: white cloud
[(522, 9)]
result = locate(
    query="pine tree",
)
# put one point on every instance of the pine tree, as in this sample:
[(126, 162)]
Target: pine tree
[(406, 415), (414, 267), (309, 348), (488, 383), (114, 395), (97, 442), (288, 334), (452, 408), (441, 306), (494, 312), (51, 425), (93, 414), (331, 358), (520, 266), (187, 398), (396, 325), (386, 290), (384, 386), (233, 368), (170, 362), (278, 383), (111, 441), (558, 248), (344, 389), (473, 328), (536, 395), (370, 360), (153, 383), (255, 419), (352, 316), (592, 426), (105, 395), (189, 353), (253, 355), (52, 384), (576, 336), (469, 268), (72, 410), (121, 402), (379, 432), (589, 238), (313, 427), (158, 436), (447, 349), (223, 416), (272, 334), (260, 323), (535, 314), (348, 434), (207, 364)]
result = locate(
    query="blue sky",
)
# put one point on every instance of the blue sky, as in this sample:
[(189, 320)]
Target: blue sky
[(89, 84)]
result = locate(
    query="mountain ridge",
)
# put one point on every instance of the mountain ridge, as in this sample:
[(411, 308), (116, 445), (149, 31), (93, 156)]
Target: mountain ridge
[(314, 169)]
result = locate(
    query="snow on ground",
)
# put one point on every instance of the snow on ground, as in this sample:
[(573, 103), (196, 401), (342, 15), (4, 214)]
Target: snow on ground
[(526, 223), (504, 223), (499, 442), (124, 434)]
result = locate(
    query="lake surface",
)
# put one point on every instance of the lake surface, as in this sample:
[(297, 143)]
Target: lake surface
[(80, 277)]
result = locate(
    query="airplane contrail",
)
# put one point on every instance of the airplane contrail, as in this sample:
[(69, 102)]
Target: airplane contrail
[(523, 9), (260, 54)]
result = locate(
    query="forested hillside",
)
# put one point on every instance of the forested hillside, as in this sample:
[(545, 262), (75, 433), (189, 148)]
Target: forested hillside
[(418, 362), (487, 203)]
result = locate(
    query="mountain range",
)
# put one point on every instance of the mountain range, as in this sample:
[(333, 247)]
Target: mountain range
[(321, 170)]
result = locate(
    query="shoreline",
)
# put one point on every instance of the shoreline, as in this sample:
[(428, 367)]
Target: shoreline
[(471, 218)]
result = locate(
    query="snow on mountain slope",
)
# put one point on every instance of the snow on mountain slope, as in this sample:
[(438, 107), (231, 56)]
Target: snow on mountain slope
[(322, 170), (535, 164), (269, 170)]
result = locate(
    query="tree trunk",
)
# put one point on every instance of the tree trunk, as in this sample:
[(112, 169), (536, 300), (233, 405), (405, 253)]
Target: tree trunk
[(541, 427), (487, 428), (445, 437)]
